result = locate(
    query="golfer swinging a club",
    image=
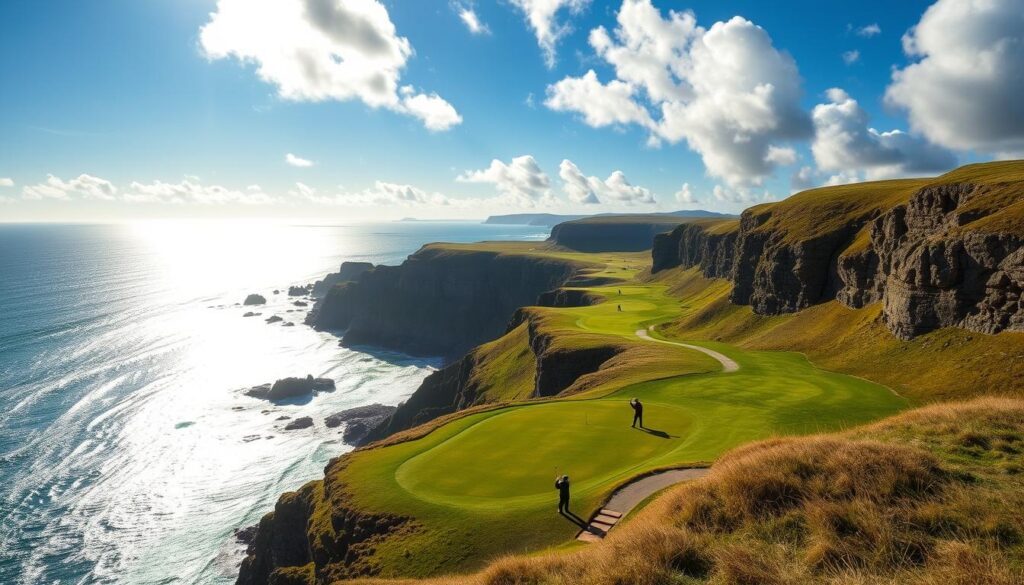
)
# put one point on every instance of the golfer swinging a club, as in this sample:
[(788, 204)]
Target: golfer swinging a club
[(562, 485)]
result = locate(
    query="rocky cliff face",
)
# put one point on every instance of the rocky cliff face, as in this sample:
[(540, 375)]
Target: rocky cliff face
[(440, 301), (314, 536), (937, 259)]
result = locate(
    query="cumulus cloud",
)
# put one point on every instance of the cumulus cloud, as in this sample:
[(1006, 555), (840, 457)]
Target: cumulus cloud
[(851, 57), (382, 193), (6, 182), (869, 30), (685, 194), (740, 196), (964, 88), (433, 110), (541, 15), (726, 90), (296, 161), (521, 180), (844, 142), (591, 190), (84, 186), (600, 104), (193, 192), (316, 50), (467, 14)]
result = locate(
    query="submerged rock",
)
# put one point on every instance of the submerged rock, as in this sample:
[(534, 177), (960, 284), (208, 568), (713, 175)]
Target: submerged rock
[(274, 319), (251, 314), (303, 422), (299, 291), (255, 299)]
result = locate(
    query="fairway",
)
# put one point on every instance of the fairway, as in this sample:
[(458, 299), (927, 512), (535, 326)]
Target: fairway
[(482, 484)]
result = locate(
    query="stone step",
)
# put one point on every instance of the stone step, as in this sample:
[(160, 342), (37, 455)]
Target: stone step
[(606, 519), (587, 537), (600, 526), (612, 513)]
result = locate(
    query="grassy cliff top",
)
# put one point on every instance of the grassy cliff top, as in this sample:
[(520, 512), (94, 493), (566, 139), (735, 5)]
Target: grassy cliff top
[(815, 212), (634, 218)]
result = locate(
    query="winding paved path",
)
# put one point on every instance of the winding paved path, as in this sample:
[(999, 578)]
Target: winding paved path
[(728, 365), (627, 497)]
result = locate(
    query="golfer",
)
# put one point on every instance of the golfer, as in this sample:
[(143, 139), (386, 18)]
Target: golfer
[(638, 412), (562, 485)]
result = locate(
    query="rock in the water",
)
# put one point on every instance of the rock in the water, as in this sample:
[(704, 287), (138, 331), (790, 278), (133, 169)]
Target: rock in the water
[(251, 314), (261, 391), (255, 299), (301, 304), (299, 291), (291, 388), (288, 324), (274, 319), (303, 422), (359, 421)]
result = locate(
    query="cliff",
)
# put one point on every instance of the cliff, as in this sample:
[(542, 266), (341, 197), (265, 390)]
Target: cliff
[(618, 233), (443, 300), (937, 253), (348, 271)]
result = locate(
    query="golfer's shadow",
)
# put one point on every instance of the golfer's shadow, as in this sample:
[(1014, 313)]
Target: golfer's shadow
[(656, 433), (574, 519)]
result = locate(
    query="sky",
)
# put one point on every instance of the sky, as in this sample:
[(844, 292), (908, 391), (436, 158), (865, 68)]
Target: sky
[(353, 110)]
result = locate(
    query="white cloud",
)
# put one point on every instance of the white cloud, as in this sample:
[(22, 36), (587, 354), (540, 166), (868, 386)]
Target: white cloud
[(541, 16), (965, 88), (84, 186), (851, 57), (591, 190), (468, 16), (522, 180), (6, 182), (780, 155), (740, 196), (434, 111), (844, 142), (726, 90), (382, 193), (685, 194), (869, 30), (316, 50), (600, 104), (191, 192), (296, 161)]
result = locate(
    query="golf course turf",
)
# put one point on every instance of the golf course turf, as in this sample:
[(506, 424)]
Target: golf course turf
[(482, 485)]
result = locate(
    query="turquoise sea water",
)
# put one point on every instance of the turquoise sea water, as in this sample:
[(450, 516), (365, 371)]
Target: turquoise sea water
[(127, 453)]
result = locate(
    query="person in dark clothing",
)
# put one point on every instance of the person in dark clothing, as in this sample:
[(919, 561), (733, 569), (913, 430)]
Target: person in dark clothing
[(562, 485), (638, 412)]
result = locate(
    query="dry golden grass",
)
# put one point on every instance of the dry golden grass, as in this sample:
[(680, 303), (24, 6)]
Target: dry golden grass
[(926, 497)]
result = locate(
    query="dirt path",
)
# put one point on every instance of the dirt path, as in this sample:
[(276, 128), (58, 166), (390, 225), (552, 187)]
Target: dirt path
[(728, 365), (630, 495)]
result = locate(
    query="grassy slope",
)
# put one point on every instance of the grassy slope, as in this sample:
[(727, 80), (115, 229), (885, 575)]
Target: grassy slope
[(931, 497), (948, 363), (478, 486)]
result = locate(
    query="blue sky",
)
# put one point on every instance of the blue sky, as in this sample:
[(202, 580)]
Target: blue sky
[(119, 109)]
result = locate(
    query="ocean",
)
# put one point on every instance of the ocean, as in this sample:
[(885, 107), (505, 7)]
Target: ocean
[(128, 453)]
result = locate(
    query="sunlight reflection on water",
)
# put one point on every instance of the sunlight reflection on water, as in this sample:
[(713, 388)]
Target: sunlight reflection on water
[(129, 454)]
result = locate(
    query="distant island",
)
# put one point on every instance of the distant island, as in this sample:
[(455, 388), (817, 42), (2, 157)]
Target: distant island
[(551, 219)]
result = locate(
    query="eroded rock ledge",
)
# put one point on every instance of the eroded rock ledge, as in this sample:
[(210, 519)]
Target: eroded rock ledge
[(940, 259), (441, 301)]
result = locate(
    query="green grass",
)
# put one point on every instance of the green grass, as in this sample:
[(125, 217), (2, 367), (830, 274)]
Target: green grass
[(481, 485)]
